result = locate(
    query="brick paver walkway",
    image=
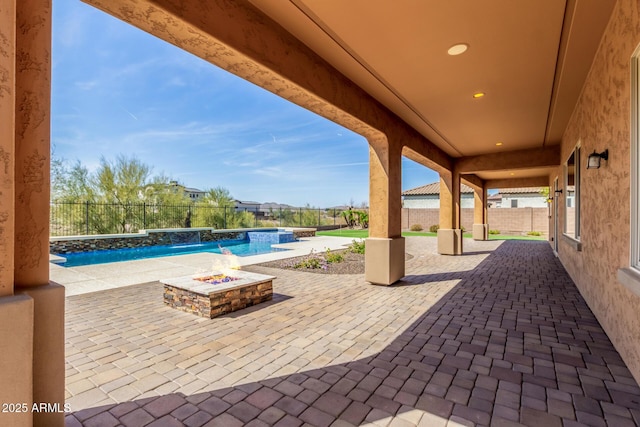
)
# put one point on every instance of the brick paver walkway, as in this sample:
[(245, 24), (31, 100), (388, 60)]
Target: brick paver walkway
[(494, 337)]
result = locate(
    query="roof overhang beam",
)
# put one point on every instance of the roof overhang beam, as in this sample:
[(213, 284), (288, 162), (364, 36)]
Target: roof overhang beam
[(473, 181), (510, 160), (536, 181)]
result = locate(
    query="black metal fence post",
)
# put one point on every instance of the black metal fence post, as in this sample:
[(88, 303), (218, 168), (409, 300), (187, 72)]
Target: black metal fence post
[(86, 217)]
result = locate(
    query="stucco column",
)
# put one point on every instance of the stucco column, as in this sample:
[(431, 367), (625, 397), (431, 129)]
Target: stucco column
[(16, 311), (7, 143), (480, 226), (384, 249), (449, 233), (31, 241)]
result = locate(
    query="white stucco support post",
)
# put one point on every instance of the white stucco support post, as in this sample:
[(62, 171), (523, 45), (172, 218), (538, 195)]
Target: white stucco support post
[(450, 232), (480, 226), (384, 249)]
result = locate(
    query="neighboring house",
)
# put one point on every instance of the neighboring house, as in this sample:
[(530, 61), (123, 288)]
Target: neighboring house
[(247, 206), (521, 198), (268, 209), (193, 194), (428, 196), (494, 200)]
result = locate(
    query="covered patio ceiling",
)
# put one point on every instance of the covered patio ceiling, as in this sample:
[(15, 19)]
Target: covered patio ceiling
[(529, 58)]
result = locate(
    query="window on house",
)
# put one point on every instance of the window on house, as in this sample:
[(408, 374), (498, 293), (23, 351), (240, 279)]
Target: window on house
[(514, 203), (572, 195)]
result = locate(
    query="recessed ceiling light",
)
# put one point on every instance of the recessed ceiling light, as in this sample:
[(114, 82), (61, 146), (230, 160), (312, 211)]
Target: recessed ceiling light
[(458, 49), (498, 144), (512, 174), (478, 95)]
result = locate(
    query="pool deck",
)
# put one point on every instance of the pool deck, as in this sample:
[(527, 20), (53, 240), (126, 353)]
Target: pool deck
[(499, 336), (91, 278)]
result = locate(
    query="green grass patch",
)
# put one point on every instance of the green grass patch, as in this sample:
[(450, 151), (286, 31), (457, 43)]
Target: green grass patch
[(419, 233), (345, 232)]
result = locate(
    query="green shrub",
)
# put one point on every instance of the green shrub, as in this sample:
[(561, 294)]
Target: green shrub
[(534, 233), (494, 231), (416, 227), (363, 219), (332, 257), (434, 228), (312, 261), (357, 247)]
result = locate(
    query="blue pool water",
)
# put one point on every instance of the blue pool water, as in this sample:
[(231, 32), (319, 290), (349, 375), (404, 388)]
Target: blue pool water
[(239, 248)]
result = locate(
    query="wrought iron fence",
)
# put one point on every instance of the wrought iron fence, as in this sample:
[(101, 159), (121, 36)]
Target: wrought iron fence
[(87, 218)]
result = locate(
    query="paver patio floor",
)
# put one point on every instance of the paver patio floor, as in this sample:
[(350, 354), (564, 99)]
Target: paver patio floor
[(499, 336)]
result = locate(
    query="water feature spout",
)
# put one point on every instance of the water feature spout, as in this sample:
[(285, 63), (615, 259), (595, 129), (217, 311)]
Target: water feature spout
[(184, 237)]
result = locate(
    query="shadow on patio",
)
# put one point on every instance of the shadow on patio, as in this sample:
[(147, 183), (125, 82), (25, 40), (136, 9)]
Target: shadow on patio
[(508, 341)]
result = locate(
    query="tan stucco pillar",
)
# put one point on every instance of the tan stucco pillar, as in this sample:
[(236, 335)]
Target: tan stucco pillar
[(384, 249), (480, 226), (450, 233), (31, 130), (16, 311), (7, 143)]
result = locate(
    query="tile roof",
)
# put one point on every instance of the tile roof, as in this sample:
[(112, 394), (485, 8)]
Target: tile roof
[(520, 190), (433, 188)]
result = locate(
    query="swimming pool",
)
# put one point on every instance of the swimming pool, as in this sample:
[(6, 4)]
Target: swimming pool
[(240, 248)]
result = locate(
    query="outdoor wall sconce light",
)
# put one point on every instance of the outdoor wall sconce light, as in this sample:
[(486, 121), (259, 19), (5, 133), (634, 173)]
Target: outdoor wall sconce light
[(594, 159)]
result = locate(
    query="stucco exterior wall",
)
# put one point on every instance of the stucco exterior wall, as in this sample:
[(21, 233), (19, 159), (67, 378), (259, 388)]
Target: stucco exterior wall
[(433, 201), (426, 202), (524, 200), (601, 121)]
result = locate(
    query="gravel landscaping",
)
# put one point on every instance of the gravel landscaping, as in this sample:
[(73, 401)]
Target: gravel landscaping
[(353, 264)]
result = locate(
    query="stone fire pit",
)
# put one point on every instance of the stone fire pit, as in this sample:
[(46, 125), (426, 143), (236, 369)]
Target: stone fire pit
[(216, 293)]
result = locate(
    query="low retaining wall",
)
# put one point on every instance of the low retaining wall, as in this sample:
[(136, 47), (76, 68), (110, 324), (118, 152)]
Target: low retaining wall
[(304, 232), (71, 244)]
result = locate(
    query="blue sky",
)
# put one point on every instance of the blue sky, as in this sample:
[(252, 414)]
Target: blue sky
[(118, 90)]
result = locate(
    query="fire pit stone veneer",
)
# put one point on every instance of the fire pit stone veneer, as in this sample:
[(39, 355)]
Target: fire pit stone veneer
[(195, 295)]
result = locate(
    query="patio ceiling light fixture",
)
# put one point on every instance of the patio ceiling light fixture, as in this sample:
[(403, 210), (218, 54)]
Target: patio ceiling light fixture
[(593, 162), (458, 49), (478, 95)]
